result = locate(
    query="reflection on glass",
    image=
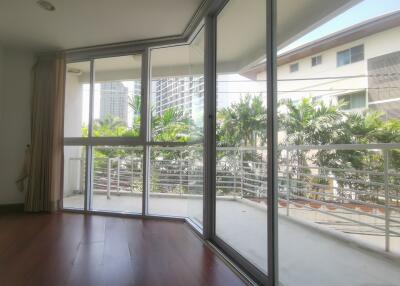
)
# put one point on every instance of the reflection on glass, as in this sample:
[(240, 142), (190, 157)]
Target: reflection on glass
[(77, 91), (117, 179), (241, 210), (74, 177), (117, 97)]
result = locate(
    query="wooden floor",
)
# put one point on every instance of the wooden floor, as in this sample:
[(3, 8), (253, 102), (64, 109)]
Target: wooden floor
[(75, 249)]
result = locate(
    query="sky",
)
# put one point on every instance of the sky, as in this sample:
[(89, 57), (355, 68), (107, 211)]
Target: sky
[(363, 11)]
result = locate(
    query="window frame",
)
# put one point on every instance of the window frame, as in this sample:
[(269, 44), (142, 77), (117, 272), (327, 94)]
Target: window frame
[(316, 60), (294, 67), (350, 96), (143, 140), (349, 53)]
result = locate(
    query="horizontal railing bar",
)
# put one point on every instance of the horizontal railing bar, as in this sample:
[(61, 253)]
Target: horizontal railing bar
[(371, 146)]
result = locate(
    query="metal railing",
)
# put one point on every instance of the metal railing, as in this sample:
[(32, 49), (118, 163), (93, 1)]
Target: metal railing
[(366, 197)]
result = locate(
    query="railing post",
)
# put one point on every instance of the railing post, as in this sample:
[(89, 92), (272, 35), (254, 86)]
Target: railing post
[(180, 176), (132, 177), (387, 199), (235, 173), (241, 171), (108, 178), (118, 170), (287, 183), (82, 176)]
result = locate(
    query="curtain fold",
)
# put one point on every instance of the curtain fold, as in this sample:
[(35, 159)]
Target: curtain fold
[(47, 131)]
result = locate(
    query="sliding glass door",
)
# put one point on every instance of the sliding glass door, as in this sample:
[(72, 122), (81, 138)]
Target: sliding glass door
[(241, 133)]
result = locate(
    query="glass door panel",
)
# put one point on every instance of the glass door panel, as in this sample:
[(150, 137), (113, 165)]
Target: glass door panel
[(241, 169)]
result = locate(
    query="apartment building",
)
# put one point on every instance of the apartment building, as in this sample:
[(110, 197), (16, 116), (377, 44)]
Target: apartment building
[(114, 100), (351, 65), (181, 93)]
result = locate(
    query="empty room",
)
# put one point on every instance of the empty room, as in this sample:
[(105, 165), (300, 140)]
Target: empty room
[(199, 142)]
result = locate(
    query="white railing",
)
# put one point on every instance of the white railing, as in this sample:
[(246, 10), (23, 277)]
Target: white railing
[(366, 197)]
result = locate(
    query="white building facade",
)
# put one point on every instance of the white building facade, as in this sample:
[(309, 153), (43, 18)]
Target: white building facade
[(359, 66)]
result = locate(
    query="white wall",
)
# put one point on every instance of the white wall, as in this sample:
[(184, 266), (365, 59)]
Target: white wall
[(1, 86), (73, 173), (73, 106), (15, 99)]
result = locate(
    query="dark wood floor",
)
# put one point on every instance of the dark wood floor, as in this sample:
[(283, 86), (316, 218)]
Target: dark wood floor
[(74, 249)]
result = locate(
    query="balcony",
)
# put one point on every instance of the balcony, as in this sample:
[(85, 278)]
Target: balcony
[(356, 212)]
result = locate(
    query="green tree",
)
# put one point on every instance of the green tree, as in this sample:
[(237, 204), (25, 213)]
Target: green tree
[(243, 123), (315, 123), (109, 126)]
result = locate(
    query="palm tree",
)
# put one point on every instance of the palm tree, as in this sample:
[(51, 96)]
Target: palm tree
[(243, 123), (310, 123), (109, 126), (172, 125)]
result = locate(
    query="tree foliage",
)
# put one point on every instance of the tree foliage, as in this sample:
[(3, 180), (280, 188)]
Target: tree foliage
[(243, 123)]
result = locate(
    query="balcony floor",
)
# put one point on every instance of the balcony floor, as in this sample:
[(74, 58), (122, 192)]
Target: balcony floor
[(303, 248)]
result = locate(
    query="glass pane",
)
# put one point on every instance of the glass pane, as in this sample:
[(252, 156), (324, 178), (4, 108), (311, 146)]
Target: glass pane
[(177, 100), (294, 67), (344, 100), (338, 183), (117, 179), (74, 177), (358, 100), (176, 186), (357, 53), (77, 92), (117, 96), (343, 58), (241, 212), (177, 92)]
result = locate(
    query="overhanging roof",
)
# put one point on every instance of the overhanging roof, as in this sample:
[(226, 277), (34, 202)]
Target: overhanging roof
[(350, 34)]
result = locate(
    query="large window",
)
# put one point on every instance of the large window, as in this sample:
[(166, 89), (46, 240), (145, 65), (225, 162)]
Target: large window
[(134, 141)]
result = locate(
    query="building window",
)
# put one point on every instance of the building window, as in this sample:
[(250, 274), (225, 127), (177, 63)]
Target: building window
[(294, 67), (317, 60), (349, 56), (354, 100)]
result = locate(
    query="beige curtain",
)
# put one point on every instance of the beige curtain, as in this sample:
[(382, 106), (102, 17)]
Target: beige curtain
[(47, 128)]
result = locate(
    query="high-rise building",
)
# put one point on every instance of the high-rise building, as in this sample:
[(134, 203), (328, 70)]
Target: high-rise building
[(178, 92), (114, 99)]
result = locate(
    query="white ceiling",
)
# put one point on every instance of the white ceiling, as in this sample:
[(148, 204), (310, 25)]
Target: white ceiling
[(241, 35), (81, 23)]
